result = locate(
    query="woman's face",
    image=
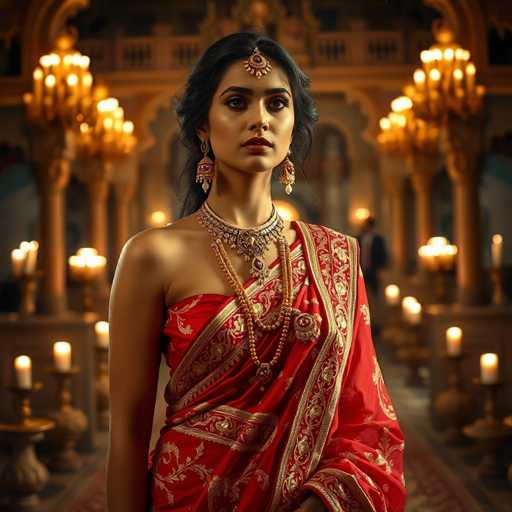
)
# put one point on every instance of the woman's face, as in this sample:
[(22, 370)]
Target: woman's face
[(244, 107)]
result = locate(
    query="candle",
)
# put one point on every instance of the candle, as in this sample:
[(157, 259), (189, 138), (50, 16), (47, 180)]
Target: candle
[(497, 251), (62, 355), (102, 336), (392, 293), (17, 262), (23, 367), (31, 257), (406, 303), (454, 341), (489, 368), (414, 315)]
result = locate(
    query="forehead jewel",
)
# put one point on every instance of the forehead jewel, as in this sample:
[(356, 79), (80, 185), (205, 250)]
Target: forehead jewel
[(257, 64)]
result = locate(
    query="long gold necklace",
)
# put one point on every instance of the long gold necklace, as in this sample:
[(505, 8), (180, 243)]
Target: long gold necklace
[(264, 371)]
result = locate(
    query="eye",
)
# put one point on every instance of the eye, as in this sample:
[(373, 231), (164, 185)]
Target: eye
[(280, 101), (234, 102)]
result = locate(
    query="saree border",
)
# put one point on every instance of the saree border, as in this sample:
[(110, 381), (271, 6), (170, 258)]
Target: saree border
[(205, 335), (349, 481), (333, 334)]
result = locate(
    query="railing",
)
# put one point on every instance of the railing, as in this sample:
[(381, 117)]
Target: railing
[(141, 53), (329, 49)]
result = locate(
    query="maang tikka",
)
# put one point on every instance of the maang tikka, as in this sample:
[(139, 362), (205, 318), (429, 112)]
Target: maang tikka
[(257, 64), (205, 168)]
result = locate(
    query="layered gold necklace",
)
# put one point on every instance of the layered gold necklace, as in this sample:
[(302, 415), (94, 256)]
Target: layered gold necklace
[(252, 243)]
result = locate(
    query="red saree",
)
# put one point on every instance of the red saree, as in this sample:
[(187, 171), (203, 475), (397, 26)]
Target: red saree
[(325, 424)]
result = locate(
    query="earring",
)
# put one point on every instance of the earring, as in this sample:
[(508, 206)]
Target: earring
[(287, 176), (205, 168)]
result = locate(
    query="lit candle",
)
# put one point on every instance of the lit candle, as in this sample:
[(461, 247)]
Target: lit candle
[(102, 336), (62, 355), (489, 368), (31, 257), (497, 251), (17, 262), (406, 303), (454, 341), (414, 315), (23, 367), (392, 293), (38, 76)]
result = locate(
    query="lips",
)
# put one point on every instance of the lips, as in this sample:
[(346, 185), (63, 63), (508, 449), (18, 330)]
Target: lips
[(257, 141)]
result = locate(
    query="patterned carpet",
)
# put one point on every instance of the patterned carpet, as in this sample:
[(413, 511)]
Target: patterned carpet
[(437, 479)]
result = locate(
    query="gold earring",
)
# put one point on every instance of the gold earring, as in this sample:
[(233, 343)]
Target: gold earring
[(287, 175), (205, 168)]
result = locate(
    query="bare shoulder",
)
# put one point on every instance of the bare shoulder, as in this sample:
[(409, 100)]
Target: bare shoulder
[(157, 248)]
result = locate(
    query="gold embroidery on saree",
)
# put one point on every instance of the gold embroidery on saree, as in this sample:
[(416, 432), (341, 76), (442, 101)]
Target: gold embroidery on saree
[(239, 430), (179, 469), (334, 273), (225, 493), (384, 399), (383, 455), (221, 344), (365, 311)]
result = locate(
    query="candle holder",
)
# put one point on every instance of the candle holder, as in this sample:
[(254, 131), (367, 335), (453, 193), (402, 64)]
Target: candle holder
[(24, 475), (71, 423), (489, 433), (102, 387), (454, 404), (498, 293), (28, 286), (86, 267), (414, 354), (392, 330)]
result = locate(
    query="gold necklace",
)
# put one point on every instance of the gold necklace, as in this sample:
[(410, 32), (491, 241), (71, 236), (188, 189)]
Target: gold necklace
[(250, 242), (264, 371)]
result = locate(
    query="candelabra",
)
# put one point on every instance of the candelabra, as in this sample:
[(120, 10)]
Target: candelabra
[(24, 475), (438, 257), (60, 100), (70, 423), (444, 92), (489, 432), (454, 404), (24, 262)]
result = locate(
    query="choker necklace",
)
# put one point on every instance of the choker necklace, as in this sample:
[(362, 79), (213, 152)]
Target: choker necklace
[(251, 242)]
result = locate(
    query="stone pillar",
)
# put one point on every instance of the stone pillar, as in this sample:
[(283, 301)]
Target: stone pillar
[(98, 172), (393, 174), (124, 193), (462, 146), (396, 190), (423, 168), (53, 152)]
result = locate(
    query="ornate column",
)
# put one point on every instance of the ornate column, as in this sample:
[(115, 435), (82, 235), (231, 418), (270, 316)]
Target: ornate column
[(53, 150), (462, 146), (97, 175), (124, 193), (393, 175), (423, 168)]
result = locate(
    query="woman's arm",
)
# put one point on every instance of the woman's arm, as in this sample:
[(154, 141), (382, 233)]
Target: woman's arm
[(136, 312)]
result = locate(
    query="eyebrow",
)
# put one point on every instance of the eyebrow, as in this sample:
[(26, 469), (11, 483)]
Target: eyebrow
[(250, 92)]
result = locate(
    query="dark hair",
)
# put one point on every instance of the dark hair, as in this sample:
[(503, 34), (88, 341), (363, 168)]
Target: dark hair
[(193, 106)]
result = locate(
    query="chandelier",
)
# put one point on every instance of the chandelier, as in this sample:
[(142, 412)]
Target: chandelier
[(445, 84), (62, 85)]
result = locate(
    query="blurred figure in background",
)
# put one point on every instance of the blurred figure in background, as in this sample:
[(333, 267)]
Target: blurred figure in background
[(374, 259)]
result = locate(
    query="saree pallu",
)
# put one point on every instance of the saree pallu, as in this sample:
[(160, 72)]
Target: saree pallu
[(325, 424)]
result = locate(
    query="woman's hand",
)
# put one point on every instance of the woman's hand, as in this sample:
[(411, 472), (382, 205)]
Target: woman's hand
[(312, 504)]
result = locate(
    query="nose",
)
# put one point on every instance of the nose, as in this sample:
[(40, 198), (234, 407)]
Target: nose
[(260, 120)]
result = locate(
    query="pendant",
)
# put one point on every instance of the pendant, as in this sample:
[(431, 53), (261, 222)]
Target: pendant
[(264, 372), (259, 269), (306, 327)]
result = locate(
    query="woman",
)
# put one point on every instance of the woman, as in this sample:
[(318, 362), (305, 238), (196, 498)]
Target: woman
[(275, 397)]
